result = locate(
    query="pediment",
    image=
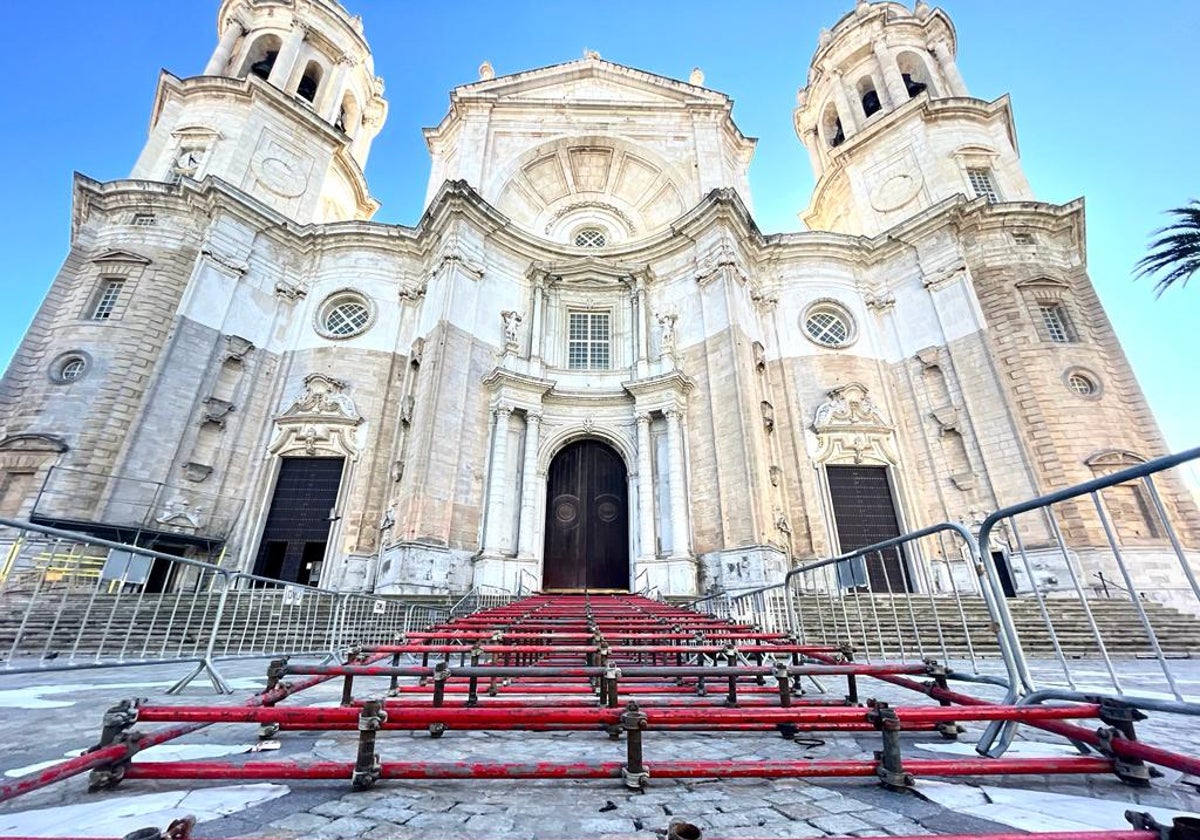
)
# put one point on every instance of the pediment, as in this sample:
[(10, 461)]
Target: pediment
[(591, 81), (119, 256)]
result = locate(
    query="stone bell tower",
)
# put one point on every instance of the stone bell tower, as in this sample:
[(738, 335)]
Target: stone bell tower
[(890, 127), (286, 110)]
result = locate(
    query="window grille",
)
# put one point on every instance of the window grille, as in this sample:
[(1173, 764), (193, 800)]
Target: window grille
[(72, 370), (107, 301), (590, 238), (144, 220), (347, 318), (827, 328), (588, 341), (1055, 323), (983, 184)]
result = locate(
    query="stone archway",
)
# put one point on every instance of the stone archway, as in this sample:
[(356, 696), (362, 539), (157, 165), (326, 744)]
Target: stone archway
[(587, 519)]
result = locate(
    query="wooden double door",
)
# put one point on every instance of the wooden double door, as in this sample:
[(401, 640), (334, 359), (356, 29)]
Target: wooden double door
[(587, 519)]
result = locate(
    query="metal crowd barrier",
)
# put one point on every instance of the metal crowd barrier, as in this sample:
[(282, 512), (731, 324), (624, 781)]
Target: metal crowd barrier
[(71, 601), (942, 593)]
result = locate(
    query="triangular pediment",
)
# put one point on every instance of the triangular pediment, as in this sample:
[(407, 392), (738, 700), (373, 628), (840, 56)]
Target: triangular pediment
[(118, 256), (590, 81)]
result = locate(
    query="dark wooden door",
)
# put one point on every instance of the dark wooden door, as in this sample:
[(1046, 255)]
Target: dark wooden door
[(587, 519), (297, 530), (865, 513)]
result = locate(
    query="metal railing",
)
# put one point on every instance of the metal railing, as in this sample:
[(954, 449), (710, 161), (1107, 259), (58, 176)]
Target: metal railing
[(481, 597), (71, 601)]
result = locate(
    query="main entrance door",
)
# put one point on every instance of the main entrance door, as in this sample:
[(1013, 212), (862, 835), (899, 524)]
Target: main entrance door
[(297, 530), (865, 514), (587, 519)]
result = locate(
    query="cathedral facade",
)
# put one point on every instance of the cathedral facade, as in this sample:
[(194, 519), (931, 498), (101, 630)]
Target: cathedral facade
[(585, 366)]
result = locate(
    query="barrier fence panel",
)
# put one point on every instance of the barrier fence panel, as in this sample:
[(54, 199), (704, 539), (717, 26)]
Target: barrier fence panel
[(910, 598), (74, 601), (1111, 565), (77, 602)]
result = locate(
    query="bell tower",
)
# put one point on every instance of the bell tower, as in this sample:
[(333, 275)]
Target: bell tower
[(890, 127), (286, 110)]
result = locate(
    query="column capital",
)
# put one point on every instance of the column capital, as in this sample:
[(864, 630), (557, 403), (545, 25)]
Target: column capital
[(503, 410), (674, 413), (643, 418), (534, 417)]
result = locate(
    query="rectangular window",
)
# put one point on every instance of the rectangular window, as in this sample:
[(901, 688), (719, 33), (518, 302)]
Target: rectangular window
[(587, 341), (144, 220), (107, 302), (1055, 324), (983, 185)]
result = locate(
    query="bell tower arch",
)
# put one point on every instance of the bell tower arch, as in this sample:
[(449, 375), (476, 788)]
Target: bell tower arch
[(890, 127), (286, 108)]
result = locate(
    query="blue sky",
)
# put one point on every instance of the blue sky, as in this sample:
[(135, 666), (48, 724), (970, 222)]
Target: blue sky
[(1103, 92)]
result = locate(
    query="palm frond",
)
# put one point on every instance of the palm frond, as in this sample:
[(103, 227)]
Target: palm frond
[(1175, 254)]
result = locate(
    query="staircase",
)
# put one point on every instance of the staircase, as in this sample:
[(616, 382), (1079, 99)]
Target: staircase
[(891, 624)]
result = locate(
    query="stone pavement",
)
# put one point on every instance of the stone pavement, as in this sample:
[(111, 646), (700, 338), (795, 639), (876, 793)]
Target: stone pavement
[(44, 715)]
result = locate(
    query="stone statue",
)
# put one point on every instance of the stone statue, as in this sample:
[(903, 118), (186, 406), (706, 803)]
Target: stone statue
[(512, 326), (666, 323)]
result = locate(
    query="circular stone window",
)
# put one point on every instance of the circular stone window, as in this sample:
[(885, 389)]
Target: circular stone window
[(69, 367), (590, 237), (344, 314), (1083, 384), (828, 324)]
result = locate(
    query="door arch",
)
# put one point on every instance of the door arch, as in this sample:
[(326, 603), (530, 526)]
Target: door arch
[(587, 519)]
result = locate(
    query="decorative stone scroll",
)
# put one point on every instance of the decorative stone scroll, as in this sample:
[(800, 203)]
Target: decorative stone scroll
[(321, 419), (851, 429)]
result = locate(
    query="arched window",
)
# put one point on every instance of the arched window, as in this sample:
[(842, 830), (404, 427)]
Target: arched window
[(260, 60), (868, 96), (831, 127), (915, 73), (310, 81)]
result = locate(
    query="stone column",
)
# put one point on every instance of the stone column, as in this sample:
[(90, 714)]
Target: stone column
[(845, 105), (495, 539), (538, 320), (680, 532), (329, 94), (217, 65), (645, 489), (945, 58), (897, 92), (285, 62), (812, 142), (640, 324), (529, 487)]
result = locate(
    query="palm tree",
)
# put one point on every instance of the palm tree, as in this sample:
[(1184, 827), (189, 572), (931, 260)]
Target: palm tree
[(1175, 254)]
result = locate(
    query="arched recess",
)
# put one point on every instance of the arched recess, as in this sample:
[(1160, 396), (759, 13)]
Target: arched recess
[(831, 127), (25, 461), (857, 461), (316, 448), (260, 58), (1131, 504), (914, 71), (310, 81), (349, 117), (587, 543), (868, 97)]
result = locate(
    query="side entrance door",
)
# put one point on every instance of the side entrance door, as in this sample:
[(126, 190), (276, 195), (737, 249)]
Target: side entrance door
[(297, 530), (587, 519), (865, 513)]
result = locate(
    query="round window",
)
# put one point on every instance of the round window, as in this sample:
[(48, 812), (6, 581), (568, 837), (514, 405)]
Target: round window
[(343, 315), (590, 237), (829, 325), (68, 367), (1082, 384), (72, 370)]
